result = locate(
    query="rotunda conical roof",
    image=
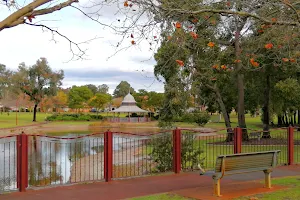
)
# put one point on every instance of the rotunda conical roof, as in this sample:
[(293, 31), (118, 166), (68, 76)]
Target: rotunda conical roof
[(128, 99)]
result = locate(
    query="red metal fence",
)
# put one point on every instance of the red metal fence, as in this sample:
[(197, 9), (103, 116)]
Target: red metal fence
[(8, 163), (28, 161)]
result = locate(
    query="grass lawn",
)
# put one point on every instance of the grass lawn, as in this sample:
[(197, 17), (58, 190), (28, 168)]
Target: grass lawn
[(9, 121), (293, 191)]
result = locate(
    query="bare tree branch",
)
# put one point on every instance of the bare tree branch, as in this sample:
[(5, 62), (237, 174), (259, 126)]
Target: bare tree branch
[(79, 55), (19, 16)]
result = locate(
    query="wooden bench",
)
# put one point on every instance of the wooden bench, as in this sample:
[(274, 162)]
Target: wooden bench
[(244, 163)]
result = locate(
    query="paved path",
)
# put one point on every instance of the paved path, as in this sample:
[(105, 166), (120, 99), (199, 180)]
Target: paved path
[(186, 184)]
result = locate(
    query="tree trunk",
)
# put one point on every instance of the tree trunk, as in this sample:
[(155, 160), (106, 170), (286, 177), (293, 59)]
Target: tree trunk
[(279, 120), (225, 115), (240, 85), (283, 120), (223, 109), (286, 119), (34, 112), (295, 122), (298, 112), (266, 109)]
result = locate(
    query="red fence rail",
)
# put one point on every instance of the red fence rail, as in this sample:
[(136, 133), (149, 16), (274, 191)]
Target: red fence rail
[(40, 160)]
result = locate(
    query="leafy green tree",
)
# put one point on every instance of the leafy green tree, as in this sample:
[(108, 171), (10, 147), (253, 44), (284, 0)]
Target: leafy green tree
[(93, 88), (38, 81), (103, 89), (99, 101), (122, 89), (5, 80), (287, 95), (155, 101), (79, 96)]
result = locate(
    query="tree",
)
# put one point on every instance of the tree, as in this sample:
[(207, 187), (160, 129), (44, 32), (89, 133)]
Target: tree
[(61, 99), (99, 101), (287, 95), (155, 101), (198, 72), (5, 81), (79, 96), (38, 81), (103, 89), (28, 13), (93, 88), (122, 89), (116, 102)]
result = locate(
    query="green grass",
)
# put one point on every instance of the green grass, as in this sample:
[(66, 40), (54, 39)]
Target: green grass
[(162, 197), (292, 192), (251, 122), (9, 121)]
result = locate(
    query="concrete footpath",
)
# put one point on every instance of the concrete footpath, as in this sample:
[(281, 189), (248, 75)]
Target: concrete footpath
[(186, 184)]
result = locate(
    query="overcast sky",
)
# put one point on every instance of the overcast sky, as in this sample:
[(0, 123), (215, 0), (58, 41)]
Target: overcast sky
[(27, 44)]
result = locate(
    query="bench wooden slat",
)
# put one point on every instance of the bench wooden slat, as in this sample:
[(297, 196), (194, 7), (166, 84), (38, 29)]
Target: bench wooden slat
[(253, 160), (249, 163), (244, 163)]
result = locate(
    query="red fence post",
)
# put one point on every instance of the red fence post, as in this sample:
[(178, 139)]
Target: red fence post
[(290, 145), (238, 140), (177, 150), (22, 162), (108, 155)]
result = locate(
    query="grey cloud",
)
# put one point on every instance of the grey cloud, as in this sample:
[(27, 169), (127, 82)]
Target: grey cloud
[(137, 80)]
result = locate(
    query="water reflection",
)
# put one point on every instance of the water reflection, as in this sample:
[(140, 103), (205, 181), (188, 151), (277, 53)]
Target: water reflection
[(8, 164), (57, 161)]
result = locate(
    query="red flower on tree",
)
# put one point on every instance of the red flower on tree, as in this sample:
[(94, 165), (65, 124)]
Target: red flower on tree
[(194, 35), (254, 63), (211, 44), (215, 66), (285, 60), (223, 67), (269, 46), (178, 25), (180, 63)]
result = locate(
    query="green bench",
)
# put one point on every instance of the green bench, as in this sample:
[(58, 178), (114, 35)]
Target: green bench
[(244, 163)]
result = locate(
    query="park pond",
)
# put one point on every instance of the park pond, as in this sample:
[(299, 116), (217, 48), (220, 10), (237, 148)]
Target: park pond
[(62, 160)]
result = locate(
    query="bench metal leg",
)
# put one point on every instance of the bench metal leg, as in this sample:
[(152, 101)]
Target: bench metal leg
[(267, 178), (217, 189)]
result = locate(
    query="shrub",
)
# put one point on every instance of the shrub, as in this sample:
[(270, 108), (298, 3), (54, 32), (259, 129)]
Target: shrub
[(162, 152), (74, 117), (200, 118)]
